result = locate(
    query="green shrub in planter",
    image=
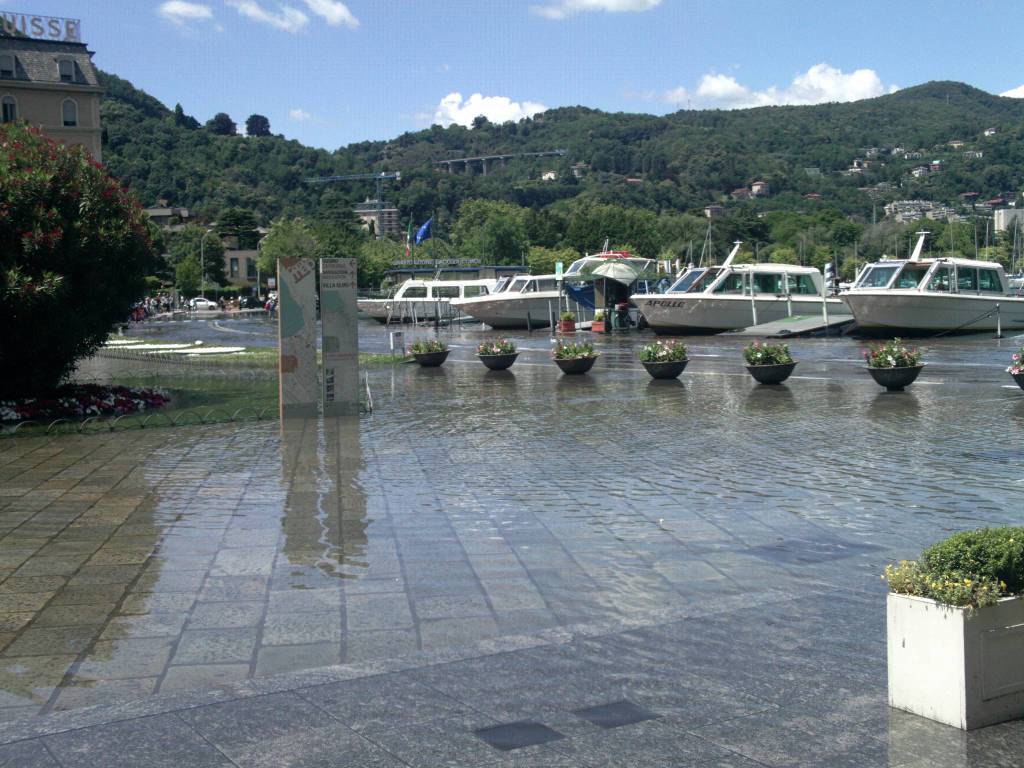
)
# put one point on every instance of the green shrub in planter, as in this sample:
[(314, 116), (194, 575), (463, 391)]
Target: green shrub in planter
[(969, 569)]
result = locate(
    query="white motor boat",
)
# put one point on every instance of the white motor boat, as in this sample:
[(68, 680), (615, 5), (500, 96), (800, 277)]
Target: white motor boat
[(521, 301), (418, 300), (917, 296), (732, 296)]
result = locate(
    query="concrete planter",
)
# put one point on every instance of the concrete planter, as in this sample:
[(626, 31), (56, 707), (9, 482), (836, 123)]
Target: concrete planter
[(567, 326), (771, 374), (959, 668), (576, 365), (430, 359), (597, 326), (895, 379), (499, 362)]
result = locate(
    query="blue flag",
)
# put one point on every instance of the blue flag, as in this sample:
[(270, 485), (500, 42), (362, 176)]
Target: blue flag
[(424, 231)]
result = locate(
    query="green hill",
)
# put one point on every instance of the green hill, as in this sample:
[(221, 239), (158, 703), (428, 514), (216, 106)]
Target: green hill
[(678, 162)]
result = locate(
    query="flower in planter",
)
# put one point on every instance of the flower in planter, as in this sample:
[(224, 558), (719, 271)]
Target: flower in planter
[(1016, 366), (766, 353), (567, 317), (970, 569), (496, 347), (663, 352), (425, 346), (598, 316), (892, 354), (573, 351)]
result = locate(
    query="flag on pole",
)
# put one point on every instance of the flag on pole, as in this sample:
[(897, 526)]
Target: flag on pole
[(408, 239), (424, 232)]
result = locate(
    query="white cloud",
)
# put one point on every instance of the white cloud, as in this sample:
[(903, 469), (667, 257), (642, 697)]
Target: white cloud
[(819, 84), (563, 9), (335, 13), (1014, 93), (497, 109), (288, 19), (299, 115), (180, 12)]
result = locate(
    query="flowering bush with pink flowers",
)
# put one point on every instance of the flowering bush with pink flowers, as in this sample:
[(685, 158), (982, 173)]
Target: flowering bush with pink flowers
[(1016, 362), (80, 401)]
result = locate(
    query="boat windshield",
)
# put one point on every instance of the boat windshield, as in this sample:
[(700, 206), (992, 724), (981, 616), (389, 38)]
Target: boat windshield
[(939, 280), (518, 285), (575, 267), (502, 284), (911, 275), (876, 276), (534, 286), (687, 280)]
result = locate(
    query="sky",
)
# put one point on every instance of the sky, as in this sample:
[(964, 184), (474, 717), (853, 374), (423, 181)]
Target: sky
[(330, 73)]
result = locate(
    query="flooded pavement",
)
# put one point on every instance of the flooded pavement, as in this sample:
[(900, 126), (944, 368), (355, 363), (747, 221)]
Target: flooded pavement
[(476, 506)]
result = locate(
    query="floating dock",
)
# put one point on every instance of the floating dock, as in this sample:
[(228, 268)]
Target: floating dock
[(796, 325)]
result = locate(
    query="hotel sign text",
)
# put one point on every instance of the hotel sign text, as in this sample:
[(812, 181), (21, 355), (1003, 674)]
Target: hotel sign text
[(42, 27)]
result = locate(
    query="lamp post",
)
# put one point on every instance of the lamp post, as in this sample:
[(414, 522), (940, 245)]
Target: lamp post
[(202, 262), (757, 250)]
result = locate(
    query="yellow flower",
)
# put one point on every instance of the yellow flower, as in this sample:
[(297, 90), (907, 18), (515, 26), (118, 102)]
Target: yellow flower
[(967, 582)]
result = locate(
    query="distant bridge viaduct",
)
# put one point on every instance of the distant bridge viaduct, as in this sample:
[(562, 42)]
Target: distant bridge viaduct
[(487, 161)]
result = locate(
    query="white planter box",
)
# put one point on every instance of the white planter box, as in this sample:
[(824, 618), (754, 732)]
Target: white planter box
[(965, 670)]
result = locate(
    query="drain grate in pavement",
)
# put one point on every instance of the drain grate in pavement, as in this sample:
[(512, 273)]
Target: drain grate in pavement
[(517, 735), (616, 714)]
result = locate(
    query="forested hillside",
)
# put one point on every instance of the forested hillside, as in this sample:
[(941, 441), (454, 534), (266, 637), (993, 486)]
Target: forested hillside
[(678, 162), (643, 180)]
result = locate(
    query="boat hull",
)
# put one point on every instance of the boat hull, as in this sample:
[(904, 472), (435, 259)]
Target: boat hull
[(911, 313), (515, 311), (381, 309), (701, 314)]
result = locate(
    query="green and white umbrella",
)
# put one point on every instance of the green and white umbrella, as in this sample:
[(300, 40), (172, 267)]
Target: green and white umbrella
[(619, 271)]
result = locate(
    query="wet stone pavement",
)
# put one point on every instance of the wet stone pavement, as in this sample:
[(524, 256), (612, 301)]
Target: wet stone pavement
[(503, 569)]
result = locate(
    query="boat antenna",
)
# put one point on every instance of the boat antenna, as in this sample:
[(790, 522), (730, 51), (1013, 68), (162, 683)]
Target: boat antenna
[(916, 255), (732, 254), (604, 248)]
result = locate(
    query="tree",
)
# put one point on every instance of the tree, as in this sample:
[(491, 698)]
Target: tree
[(287, 239), (184, 121), (492, 231), (375, 257), (188, 275), (542, 260), (257, 125), (74, 252), (240, 225), (204, 246), (222, 125)]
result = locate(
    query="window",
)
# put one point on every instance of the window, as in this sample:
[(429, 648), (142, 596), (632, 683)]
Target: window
[(69, 112), (6, 65), (876, 277), (767, 283), (911, 276), (517, 286), (250, 268), (10, 109), (939, 280), (66, 69), (547, 285), (732, 283), (966, 279), (415, 292), (684, 283), (446, 291), (475, 290), (802, 285), (234, 266), (989, 281)]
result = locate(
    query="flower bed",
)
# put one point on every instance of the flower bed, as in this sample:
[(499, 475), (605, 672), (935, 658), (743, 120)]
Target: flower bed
[(892, 354), (767, 354), (427, 346), (564, 351), (496, 347), (80, 401)]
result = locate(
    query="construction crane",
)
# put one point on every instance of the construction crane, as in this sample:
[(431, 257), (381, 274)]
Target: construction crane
[(380, 178)]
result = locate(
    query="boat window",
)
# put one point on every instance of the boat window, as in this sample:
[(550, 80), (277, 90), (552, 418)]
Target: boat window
[(446, 291), (475, 290), (876, 277), (502, 284), (911, 276), (939, 280), (770, 283), (517, 286), (732, 283), (966, 279), (414, 292), (802, 285), (547, 285), (684, 283), (575, 267), (989, 281)]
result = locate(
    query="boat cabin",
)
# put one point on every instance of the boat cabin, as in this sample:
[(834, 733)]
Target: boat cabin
[(527, 284), (430, 290), (750, 279), (948, 275)]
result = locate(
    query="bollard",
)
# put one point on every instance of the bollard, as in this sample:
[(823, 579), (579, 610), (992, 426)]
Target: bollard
[(999, 323), (529, 323)]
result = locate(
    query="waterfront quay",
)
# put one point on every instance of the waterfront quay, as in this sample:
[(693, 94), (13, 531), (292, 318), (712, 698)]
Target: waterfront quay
[(515, 568)]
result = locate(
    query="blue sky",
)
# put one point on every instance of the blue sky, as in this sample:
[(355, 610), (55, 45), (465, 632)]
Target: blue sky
[(329, 73)]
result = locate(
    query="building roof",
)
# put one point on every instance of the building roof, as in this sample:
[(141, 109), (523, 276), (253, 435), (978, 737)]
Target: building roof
[(37, 60)]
